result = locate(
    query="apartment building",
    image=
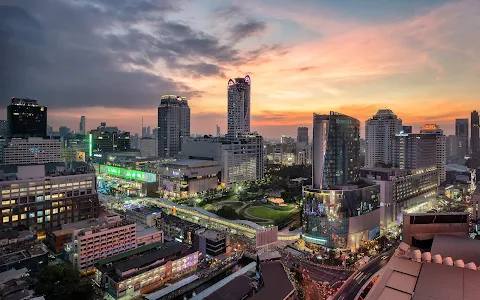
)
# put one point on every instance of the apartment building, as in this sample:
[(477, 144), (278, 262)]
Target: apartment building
[(115, 236)]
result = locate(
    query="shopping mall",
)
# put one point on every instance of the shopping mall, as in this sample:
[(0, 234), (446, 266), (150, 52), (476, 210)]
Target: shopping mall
[(131, 183)]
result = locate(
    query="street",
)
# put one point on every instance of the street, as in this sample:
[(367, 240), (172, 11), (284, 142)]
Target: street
[(352, 286)]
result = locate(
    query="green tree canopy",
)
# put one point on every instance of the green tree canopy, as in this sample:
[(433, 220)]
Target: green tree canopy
[(62, 281)]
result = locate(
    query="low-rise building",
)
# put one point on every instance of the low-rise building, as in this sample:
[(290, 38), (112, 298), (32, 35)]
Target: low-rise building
[(142, 273), (147, 236), (176, 228), (448, 271), (342, 217), (115, 236), (420, 229), (210, 242), (142, 215), (186, 178), (58, 237), (13, 240), (31, 257)]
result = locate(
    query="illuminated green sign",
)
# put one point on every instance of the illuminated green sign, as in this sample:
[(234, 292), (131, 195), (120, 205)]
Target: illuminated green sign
[(90, 147), (128, 174)]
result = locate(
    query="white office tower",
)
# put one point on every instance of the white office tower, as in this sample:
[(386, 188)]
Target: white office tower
[(441, 153), (82, 125), (379, 131), (31, 151), (238, 106)]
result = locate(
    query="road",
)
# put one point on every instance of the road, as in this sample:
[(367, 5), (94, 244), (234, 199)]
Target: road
[(318, 273), (352, 286)]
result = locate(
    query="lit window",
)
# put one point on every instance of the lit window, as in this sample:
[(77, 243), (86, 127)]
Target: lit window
[(15, 218), (6, 219)]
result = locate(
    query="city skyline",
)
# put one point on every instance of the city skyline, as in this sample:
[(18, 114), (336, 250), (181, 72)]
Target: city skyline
[(368, 56)]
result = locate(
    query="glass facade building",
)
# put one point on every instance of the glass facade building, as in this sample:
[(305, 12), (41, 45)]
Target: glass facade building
[(327, 214), (26, 118), (336, 150)]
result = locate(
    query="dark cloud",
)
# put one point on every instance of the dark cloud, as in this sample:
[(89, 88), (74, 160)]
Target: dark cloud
[(76, 53), (247, 29)]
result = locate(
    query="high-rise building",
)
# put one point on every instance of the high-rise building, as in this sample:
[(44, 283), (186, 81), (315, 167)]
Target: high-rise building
[(452, 146), (218, 130), (414, 151), (441, 149), (3, 128), (336, 149), (238, 106), (407, 129), (31, 151), (339, 210), (302, 135), (173, 124), (26, 118), (461, 133), (242, 159), (475, 137), (82, 125), (110, 138), (147, 147), (379, 131)]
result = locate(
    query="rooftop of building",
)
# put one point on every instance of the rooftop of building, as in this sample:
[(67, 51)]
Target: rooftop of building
[(16, 172), (142, 231), (192, 163), (210, 234), (154, 259), (145, 210), (179, 222), (412, 275), (448, 213), (236, 289), (277, 285), (80, 224), (110, 223), (16, 234), (102, 263)]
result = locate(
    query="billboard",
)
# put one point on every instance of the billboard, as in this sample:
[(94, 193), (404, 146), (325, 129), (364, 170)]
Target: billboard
[(80, 156), (128, 174)]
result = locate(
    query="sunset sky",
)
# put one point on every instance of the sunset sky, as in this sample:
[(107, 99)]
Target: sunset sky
[(112, 61)]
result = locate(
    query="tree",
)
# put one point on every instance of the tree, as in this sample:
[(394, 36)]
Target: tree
[(62, 281)]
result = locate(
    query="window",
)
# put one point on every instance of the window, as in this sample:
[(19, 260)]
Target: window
[(7, 202), (15, 218), (55, 211), (6, 219), (24, 216), (47, 212), (31, 215), (39, 220)]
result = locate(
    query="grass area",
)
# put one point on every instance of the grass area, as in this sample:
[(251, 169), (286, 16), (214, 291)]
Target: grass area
[(268, 213), (234, 205)]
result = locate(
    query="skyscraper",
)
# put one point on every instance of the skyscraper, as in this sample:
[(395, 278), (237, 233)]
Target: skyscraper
[(441, 148), (238, 106), (173, 124), (302, 135), (26, 118), (218, 130), (379, 131), (414, 151), (336, 150), (82, 125), (3, 128), (461, 133), (475, 138), (339, 211)]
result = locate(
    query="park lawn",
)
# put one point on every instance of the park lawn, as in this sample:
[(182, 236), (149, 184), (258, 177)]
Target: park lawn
[(268, 213)]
